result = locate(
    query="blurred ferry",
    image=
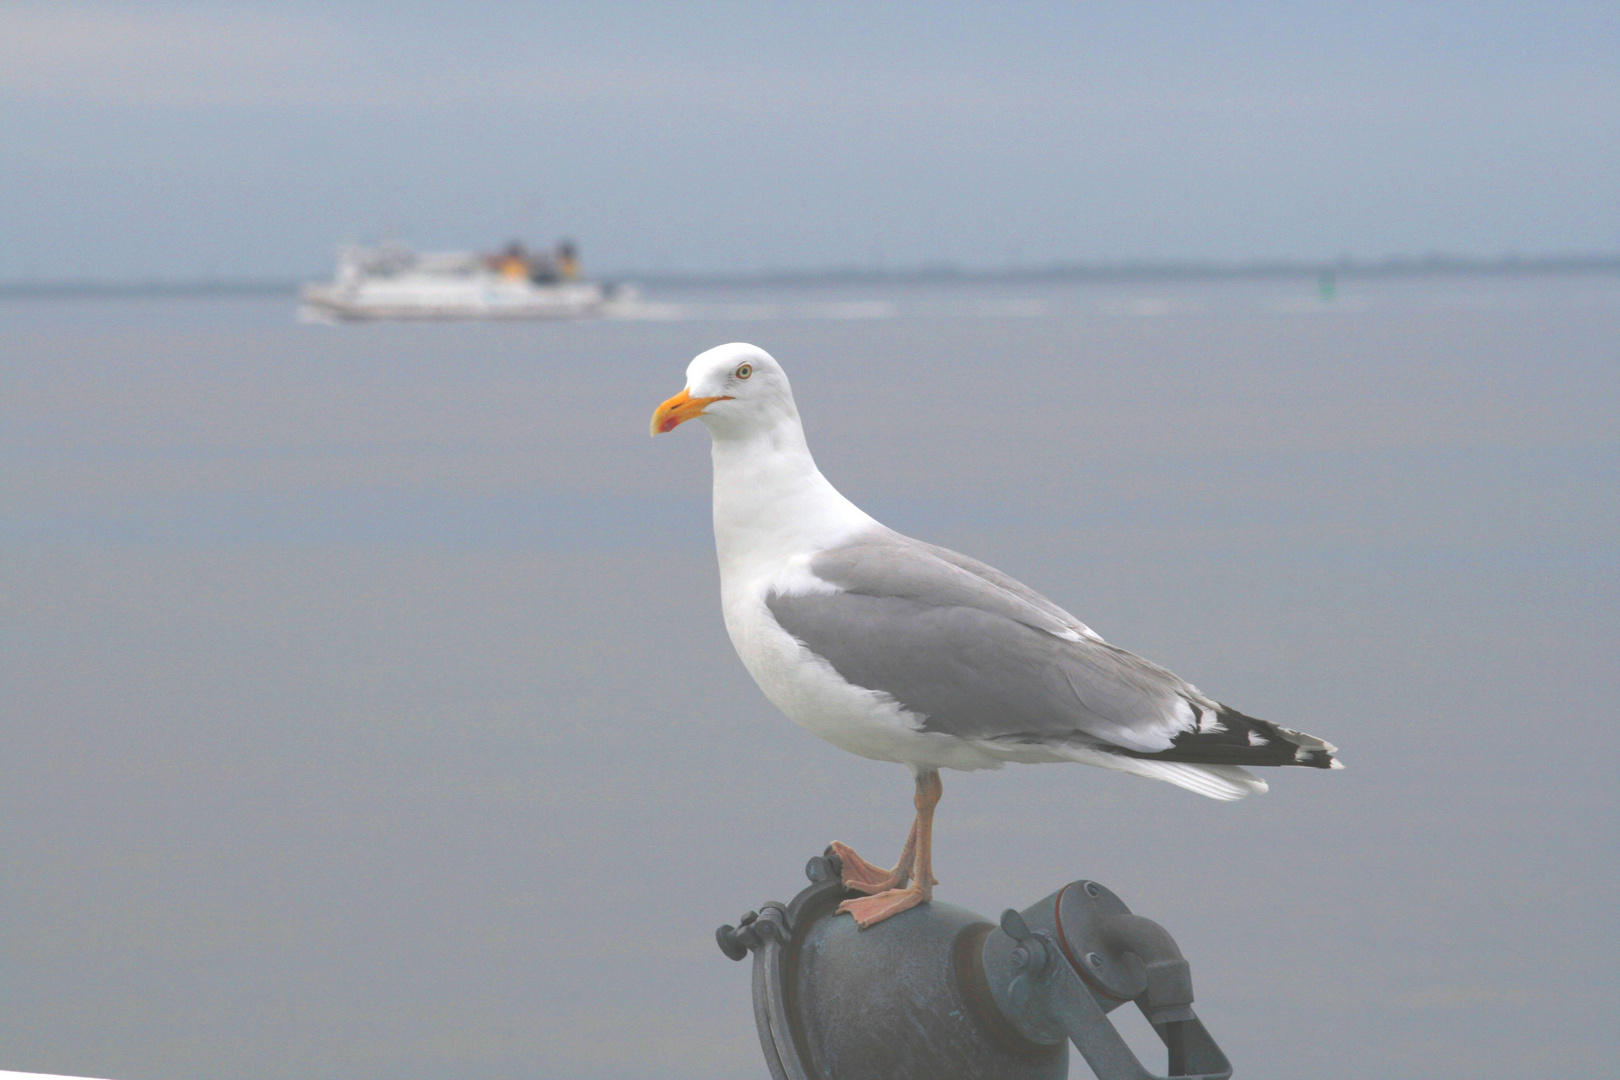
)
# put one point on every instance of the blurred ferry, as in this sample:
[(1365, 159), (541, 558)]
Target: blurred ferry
[(393, 282)]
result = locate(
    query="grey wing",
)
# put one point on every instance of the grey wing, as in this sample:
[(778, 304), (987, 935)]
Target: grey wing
[(976, 654), (978, 674), (886, 563)]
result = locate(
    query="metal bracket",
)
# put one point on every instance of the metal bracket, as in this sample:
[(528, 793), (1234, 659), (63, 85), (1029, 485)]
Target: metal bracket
[(774, 922), (767, 933), (1057, 994)]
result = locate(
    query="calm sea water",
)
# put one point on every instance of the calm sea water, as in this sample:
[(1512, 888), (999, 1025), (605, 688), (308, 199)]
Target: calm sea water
[(365, 708)]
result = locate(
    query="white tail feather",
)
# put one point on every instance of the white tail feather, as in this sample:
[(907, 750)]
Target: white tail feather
[(1223, 782)]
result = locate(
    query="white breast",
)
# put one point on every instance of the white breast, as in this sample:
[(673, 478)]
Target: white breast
[(806, 687)]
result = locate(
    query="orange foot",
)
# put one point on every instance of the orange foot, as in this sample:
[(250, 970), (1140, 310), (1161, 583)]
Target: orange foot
[(861, 875), (870, 910)]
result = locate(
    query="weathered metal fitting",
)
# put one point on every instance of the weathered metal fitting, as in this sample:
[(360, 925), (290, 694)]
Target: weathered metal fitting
[(1169, 983), (1033, 952), (737, 941), (824, 867), (938, 993), (753, 930), (773, 924)]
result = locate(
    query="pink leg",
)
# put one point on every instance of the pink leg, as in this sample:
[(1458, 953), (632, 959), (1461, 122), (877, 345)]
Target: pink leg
[(862, 876), (869, 910)]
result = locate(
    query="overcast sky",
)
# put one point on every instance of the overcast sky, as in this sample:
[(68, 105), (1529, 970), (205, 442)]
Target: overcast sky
[(247, 139)]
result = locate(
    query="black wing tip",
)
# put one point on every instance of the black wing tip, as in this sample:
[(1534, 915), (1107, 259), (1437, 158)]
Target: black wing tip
[(1316, 759), (1224, 736)]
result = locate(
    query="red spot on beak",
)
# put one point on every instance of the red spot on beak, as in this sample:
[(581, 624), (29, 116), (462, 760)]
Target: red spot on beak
[(679, 409)]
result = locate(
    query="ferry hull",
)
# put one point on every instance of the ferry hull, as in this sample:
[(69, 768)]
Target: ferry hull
[(404, 300)]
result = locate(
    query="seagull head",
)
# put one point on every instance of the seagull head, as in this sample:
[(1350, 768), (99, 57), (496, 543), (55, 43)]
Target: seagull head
[(737, 390)]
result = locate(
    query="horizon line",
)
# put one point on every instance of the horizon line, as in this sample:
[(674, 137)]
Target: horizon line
[(1120, 270)]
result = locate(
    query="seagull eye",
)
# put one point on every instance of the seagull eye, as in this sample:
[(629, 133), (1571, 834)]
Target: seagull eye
[(745, 371)]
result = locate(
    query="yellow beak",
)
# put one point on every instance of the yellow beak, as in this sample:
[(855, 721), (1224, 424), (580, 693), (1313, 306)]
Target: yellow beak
[(679, 409)]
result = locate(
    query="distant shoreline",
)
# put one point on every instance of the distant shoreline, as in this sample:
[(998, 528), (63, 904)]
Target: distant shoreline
[(1425, 266)]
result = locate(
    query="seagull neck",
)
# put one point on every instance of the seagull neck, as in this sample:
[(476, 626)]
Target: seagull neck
[(771, 502)]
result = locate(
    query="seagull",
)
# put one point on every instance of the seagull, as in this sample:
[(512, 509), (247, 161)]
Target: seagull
[(898, 650)]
